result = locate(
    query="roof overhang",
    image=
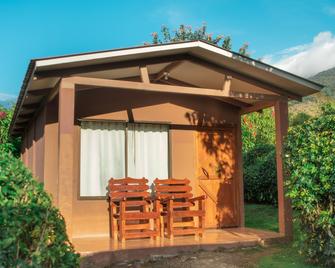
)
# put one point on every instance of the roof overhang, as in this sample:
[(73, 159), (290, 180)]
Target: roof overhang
[(44, 73)]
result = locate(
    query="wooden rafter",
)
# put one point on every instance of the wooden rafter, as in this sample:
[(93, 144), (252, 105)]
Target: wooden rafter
[(30, 106), (167, 69), (144, 74), (257, 107), (39, 92), (26, 116)]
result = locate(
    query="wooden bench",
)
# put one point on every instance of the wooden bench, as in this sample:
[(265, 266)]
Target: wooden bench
[(133, 214), (179, 208)]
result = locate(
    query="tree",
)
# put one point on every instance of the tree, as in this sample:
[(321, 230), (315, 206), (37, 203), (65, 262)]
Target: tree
[(186, 33)]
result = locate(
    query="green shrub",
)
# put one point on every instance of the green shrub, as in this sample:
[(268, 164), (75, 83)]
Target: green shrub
[(260, 178), (310, 162), (8, 143), (32, 231)]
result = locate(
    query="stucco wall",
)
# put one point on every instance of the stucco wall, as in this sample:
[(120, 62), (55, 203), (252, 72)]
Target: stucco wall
[(183, 113)]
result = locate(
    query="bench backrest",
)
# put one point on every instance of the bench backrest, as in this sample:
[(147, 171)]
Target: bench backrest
[(128, 189), (173, 188)]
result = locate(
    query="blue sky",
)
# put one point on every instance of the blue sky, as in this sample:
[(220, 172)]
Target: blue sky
[(285, 33)]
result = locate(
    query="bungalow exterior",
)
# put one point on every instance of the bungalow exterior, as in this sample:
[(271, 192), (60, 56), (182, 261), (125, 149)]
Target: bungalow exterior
[(171, 110)]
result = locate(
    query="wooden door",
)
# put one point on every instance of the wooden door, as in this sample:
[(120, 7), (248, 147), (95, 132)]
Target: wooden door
[(215, 176)]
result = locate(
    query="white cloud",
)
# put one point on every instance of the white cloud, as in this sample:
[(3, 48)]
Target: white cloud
[(306, 59), (7, 97)]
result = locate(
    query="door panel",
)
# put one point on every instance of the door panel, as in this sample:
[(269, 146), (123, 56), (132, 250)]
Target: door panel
[(215, 175)]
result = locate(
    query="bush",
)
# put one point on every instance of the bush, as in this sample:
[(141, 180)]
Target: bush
[(8, 143), (260, 177), (32, 231), (310, 162)]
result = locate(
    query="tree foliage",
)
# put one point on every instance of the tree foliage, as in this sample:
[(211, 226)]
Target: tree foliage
[(310, 162), (8, 143), (32, 231), (259, 162), (258, 129), (260, 177), (186, 33)]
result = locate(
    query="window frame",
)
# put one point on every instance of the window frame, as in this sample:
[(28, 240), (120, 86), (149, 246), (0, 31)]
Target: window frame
[(126, 123)]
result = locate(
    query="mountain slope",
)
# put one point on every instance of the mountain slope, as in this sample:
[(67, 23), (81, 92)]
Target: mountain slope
[(311, 105), (326, 78)]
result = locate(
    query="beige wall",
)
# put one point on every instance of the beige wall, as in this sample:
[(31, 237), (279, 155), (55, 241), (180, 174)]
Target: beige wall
[(184, 113)]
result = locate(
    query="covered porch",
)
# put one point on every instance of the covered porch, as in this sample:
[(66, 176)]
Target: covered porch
[(102, 250)]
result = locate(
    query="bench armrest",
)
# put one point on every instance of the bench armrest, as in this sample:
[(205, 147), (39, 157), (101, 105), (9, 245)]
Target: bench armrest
[(198, 198)]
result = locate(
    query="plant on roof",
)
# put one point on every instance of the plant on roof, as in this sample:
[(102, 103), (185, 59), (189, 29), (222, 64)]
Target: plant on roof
[(186, 33)]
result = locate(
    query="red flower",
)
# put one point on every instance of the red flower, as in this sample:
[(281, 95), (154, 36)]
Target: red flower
[(2, 115)]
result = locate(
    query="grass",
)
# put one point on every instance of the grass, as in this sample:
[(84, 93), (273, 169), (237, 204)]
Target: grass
[(263, 217), (266, 217)]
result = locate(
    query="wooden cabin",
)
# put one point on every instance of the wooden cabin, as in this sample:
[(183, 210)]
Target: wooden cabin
[(157, 111)]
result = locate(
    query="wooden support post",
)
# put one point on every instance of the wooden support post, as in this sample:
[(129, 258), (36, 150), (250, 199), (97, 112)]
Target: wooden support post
[(284, 204), (66, 152), (239, 174)]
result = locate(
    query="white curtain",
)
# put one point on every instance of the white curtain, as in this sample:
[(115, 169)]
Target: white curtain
[(148, 151), (102, 156)]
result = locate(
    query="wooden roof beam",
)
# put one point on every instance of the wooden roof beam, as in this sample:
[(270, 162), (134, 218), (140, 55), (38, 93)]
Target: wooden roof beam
[(140, 86)]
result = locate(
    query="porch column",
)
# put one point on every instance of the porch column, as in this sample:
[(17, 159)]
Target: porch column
[(284, 204), (66, 151), (239, 174)]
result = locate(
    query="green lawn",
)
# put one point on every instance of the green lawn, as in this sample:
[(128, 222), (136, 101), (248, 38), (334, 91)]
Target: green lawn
[(263, 217), (266, 217)]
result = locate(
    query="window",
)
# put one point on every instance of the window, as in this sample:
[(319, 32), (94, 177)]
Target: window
[(110, 149)]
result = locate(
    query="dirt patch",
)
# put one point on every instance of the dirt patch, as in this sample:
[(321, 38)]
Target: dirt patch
[(245, 257)]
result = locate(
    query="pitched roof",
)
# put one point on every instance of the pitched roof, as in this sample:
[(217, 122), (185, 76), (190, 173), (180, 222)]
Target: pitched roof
[(71, 64)]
